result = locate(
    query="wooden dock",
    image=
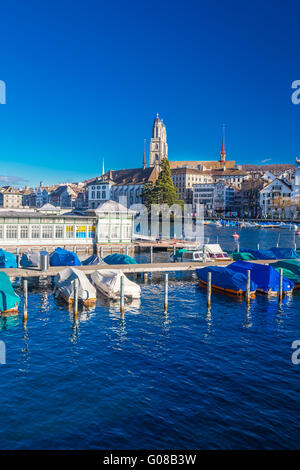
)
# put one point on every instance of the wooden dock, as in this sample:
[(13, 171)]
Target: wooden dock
[(126, 268)]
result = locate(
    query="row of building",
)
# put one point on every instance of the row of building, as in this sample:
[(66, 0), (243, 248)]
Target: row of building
[(222, 186)]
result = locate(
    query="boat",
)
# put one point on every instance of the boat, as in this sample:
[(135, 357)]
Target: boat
[(62, 257), (7, 259), (9, 300), (205, 252), (285, 253), (108, 282), (30, 259), (93, 260), (265, 277), (118, 258), (64, 283), (243, 255), (291, 270), (225, 280)]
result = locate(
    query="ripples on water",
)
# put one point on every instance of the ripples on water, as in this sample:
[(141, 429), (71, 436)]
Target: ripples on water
[(185, 379)]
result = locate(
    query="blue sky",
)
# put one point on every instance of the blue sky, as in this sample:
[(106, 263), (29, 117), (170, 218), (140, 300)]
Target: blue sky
[(86, 79)]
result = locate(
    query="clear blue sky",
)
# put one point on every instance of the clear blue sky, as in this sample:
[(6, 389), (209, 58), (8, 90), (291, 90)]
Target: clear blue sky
[(85, 80)]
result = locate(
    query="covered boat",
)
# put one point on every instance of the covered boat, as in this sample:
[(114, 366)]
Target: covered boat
[(93, 260), (291, 270), (243, 255), (65, 285), (9, 300), (118, 258), (7, 259), (61, 257), (262, 254), (265, 277), (30, 259), (225, 280), (109, 283), (285, 253)]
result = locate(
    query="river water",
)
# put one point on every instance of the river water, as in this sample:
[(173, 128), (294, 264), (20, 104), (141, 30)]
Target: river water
[(187, 379)]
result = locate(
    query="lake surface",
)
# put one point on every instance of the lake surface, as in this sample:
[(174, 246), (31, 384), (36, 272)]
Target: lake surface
[(182, 380)]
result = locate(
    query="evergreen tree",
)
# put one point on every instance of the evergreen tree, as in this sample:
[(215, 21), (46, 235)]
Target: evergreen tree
[(163, 191)]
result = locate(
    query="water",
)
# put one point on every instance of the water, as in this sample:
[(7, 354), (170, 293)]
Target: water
[(185, 379)]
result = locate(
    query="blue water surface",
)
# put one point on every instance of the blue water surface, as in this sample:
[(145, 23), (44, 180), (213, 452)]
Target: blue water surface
[(183, 379)]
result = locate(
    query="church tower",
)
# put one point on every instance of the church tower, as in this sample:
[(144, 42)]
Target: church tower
[(223, 154), (158, 143)]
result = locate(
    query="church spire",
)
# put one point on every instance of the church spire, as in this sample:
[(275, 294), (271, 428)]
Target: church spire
[(223, 154), (144, 160)]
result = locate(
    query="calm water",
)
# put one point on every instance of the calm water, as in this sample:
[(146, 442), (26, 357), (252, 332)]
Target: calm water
[(187, 379)]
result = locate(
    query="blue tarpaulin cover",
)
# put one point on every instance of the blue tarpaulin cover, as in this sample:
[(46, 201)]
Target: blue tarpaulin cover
[(262, 254), (225, 278), (265, 276), (61, 257), (8, 298), (93, 261), (285, 253), (117, 258), (7, 259)]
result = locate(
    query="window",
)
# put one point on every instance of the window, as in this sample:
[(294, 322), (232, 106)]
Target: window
[(93, 194), (47, 231), (59, 231), (35, 231), (91, 231), (69, 231), (81, 231), (98, 195), (11, 231), (103, 194), (24, 231), (1, 231), (115, 231)]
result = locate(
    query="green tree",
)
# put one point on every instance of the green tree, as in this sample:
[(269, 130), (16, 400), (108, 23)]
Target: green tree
[(163, 191)]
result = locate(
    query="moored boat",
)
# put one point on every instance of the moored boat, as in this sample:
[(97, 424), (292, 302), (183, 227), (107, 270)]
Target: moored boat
[(225, 280), (109, 283), (265, 277), (9, 300), (7, 259), (61, 257), (118, 258), (30, 259), (93, 260), (291, 270), (64, 283)]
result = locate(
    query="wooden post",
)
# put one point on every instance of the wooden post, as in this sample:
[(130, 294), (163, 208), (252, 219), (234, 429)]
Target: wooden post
[(76, 288), (208, 293), (101, 251), (25, 299), (258, 246), (280, 283), (126, 250), (166, 291), (145, 278), (122, 295), (238, 247), (17, 257), (248, 285), (151, 254)]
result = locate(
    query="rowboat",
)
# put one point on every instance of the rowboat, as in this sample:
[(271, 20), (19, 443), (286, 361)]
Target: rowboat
[(265, 277), (109, 284), (226, 281), (64, 283)]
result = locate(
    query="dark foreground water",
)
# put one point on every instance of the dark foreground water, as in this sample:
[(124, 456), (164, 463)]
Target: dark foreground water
[(185, 379)]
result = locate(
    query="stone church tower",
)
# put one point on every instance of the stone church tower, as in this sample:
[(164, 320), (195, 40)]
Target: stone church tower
[(158, 143)]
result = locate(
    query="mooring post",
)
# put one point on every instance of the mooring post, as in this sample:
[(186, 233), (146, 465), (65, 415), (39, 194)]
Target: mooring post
[(280, 283), (208, 293), (126, 250), (122, 295), (238, 247), (101, 251), (248, 285), (151, 254), (76, 288), (145, 275), (17, 257), (25, 299), (166, 291), (258, 246)]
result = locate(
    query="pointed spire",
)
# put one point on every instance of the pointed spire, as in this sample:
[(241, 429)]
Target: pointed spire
[(144, 160), (223, 154), (103, 167)]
